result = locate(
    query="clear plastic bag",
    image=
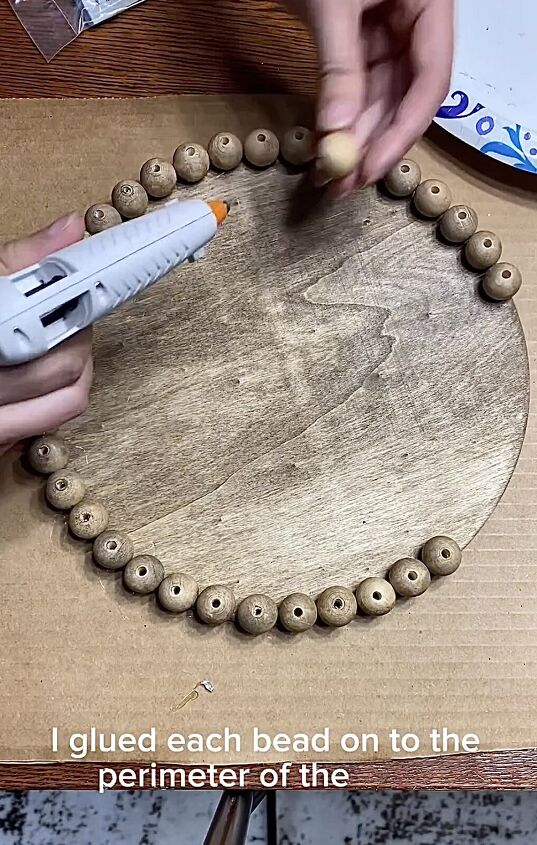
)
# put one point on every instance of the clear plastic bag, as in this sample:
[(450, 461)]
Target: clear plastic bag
[(52, 24)]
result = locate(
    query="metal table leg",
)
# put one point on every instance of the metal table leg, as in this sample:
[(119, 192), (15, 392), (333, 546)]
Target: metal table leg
[(230, 822)]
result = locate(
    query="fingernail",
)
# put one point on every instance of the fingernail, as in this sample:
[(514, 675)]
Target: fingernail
[(61, 225), (317, 179), (341, 193), (369, 180), (336, 116)]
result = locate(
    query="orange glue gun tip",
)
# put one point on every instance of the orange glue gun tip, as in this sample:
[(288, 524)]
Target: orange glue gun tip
[(220, 209)]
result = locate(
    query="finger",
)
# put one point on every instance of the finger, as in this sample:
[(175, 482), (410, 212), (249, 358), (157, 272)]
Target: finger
[(380, 87), (338, 36), (25, 419), (431, 53), (17, 255), (389, 81), (363, 129), (379, 39), (60, 368)]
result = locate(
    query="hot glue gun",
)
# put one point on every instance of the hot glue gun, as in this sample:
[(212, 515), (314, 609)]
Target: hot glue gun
[(71, 289)]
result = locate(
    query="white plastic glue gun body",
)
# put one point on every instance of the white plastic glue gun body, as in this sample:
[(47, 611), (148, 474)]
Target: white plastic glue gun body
[(47, 303)]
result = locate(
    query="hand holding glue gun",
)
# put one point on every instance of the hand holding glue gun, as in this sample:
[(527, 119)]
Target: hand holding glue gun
[(54, 286)]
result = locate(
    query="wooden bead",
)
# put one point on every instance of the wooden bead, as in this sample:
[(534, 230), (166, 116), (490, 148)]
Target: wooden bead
[(191, 162), (257, 614), (458, 224), (403, 179), (101, 217), (336, 606), (375, 596), (297, 146), (113, 550), (298, 613), (130, 199), (261, 148), (178, 593), (441, 556), (502, 281), (409, 577), (65, 489), (48, 454), (143, 574), (88, 519), (158, 177), (483, 250), (225, 151), (215, 605), (337, 156), (432, 198)]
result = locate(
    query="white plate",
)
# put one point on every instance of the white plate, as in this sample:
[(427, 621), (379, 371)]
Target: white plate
[(493, 101)]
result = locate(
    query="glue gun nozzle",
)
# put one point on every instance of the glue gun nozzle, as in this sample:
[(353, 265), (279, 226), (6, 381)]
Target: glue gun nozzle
[(220, 209)]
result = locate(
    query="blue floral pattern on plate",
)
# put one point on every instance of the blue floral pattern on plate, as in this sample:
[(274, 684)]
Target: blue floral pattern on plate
[(465, 116)]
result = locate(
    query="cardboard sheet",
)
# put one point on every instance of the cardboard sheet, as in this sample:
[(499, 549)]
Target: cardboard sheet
[(75, 655)]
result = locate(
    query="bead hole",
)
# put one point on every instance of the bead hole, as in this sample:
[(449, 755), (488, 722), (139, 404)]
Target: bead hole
[(141, 571), (412, 575), (405, 168), (435, 189), (216, 603), (156, 168), (86, 517), (338, 604), (298, 612), (61, 484), (111, 545), (257, 611), (190, 151), (446, 554), (377, 596), (487, 243), (127, 191), (462, 215), (176, 590), (225, 141), (99, 214), (261, 138), (44, 451), (506, 274), (299, 136)]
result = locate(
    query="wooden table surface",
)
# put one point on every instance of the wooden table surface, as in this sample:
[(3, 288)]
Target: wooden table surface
[(164, 47), (484, 771), (222, 47)]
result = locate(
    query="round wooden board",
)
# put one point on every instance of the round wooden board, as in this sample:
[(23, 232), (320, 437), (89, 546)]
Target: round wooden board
[(318, 396)]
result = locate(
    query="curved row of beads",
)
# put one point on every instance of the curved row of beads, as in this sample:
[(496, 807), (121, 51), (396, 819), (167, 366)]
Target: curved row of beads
[(458, 224), (256, 614), (88, 519), (191, 163), (335, 156)]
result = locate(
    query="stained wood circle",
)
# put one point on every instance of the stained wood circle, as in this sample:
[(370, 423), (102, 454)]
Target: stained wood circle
[(321, 394)]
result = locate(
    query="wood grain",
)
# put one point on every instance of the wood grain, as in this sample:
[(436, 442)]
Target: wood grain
[(462, 656), (161, 47), (498, 770), (316, 399)]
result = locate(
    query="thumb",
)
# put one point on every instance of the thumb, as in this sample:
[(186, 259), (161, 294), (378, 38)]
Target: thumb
[(17, 255), (338, 35)]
